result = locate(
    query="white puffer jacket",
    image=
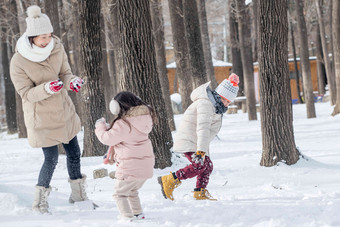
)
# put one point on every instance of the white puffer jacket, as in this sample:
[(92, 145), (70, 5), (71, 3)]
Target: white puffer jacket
[(199, 124)]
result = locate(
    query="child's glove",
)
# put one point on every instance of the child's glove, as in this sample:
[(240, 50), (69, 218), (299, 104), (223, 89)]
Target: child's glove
[(53, 87), (198, 157), (99, 121), (76, 84), (109, 157)]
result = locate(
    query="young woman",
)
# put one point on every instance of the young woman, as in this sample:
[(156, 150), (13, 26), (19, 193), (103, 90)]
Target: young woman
[(41, 75)]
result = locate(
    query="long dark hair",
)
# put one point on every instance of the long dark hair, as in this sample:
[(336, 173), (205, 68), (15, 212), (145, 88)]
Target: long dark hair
[(126, 100)]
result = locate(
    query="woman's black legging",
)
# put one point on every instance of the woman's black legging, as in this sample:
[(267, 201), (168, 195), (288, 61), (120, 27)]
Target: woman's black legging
[(51, 159)]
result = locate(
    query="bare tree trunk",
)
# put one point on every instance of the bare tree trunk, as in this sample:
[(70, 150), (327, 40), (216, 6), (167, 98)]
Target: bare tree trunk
[(336, 53), (255, 49), (304, 60), (329, 72), (276, 105), (9, 87), (243, 16), (193, 35), (115, 36), (202, 16), (320, 62), (183, 67), (13, 22), (235, 46), (105, 66), (52, 10), (297, 75), (75, 62), (91, 56), (158, 35), (139, 71), (109, 37)]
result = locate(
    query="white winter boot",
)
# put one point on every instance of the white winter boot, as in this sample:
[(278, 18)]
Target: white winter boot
[(40, 202), (78, 190)]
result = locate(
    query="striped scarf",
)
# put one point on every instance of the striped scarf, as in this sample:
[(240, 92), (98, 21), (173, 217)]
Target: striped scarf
[(216, 101)]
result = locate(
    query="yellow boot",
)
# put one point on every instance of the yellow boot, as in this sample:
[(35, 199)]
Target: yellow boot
[(202, 194), (168, 183)]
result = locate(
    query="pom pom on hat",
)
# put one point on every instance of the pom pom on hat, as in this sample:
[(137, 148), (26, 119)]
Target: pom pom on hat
[(33, 11), (114, 107), (37, 22), (228, 88)]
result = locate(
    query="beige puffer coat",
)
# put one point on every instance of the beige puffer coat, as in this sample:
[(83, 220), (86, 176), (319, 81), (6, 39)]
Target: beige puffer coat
[(199, 124), (49, 119)]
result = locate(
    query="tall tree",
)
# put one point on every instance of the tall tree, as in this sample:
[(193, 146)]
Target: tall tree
[(244, 23), (158, 35), (329, 71), (304, 60), (52, 10), (202, 16), (193, 35), (10, 102), (336, 53), (138, 70), (14, 34), (320, 62), (276, 104), (183, 67), (235, 46), (297, 74), (91, 58)]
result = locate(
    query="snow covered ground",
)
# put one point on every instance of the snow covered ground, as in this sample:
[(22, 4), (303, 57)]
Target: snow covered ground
[(304, 194)]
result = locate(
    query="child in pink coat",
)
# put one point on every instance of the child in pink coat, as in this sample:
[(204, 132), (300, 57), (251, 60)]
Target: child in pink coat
[(128, 138)]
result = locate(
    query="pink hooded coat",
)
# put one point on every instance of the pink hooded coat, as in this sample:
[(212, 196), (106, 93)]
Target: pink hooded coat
[(133, 149)]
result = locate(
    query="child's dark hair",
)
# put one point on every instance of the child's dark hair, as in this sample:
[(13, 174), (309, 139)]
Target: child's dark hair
[(126, 100)]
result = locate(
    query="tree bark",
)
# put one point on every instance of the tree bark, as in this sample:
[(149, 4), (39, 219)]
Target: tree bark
[(138, 68), (52, 11), (193, 35), (183, 67), (255, 49), (10, 101), (329, 72), (14, 35), (336, 53), (202, 16), (91, 58), (243, 16), (297, 74), (158, 35), (320, 62), (276, 105), (304, 60), (235, 46)]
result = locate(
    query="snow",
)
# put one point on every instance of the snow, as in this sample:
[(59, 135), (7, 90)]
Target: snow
[(304, 194), (216, 63), (176, 97)]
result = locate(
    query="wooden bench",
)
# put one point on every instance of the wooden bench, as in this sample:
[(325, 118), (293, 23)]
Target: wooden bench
[(232, 109)]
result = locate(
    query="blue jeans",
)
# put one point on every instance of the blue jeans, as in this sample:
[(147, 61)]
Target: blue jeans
[(51, 159)]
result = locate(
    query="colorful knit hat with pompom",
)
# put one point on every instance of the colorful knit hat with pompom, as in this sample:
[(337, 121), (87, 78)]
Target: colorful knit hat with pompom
[(228, 88)]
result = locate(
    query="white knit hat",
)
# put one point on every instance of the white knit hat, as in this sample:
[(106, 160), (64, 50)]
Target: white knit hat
[(228, 88), (37, 22)]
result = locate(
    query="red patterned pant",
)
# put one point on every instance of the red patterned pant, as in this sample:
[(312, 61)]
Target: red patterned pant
[(201, 171)]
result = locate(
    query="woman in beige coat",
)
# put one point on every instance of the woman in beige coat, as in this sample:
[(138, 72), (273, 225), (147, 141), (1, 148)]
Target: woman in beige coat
[(41, 75)]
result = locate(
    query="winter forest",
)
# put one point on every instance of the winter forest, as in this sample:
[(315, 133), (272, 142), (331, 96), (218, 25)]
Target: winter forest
[(287, 56)]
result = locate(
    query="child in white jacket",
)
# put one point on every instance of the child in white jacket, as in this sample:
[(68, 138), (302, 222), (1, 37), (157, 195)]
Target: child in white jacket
[(200, 124)]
